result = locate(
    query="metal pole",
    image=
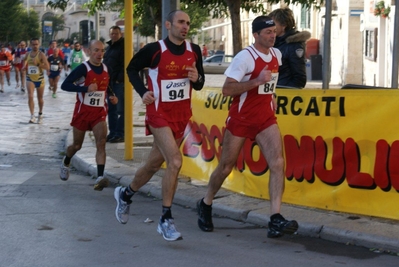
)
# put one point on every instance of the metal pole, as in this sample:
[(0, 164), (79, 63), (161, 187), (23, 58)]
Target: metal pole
[(88, 28), (128, 35), (97, 25), (395, 50), (327, 46), (167, 7)]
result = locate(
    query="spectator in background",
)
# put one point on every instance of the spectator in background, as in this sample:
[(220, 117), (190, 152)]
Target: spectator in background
[(292, 44), (204, 51), (143, 72), (114, 59)]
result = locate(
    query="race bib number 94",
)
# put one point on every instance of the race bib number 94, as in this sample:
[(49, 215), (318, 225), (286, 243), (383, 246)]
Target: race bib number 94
[(175, 90), (94, 99), (270, 87)]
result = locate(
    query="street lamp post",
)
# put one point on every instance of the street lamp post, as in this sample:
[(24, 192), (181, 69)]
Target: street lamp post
[(88, 27), (69, 31), (167, 7)]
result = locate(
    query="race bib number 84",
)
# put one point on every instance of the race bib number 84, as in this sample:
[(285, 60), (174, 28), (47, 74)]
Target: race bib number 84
[(270, 87), (175, 90)]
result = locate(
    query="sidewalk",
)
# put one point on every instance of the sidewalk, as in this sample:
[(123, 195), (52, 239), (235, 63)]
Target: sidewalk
[(378, 234)]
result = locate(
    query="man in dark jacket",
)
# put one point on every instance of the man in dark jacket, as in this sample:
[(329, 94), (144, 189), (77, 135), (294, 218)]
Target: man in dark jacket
[(114, 59), (292, 44)]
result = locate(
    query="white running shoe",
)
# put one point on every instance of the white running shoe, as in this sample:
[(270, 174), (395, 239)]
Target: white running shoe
[(101, 182), (32, 119), (64, 171), (40, 119), (122, 207), (168, 230)]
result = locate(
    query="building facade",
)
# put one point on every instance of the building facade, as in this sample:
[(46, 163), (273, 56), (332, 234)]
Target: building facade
[(361, 40)]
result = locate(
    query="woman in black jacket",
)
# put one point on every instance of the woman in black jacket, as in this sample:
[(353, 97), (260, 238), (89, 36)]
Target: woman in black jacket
[(292, 44)]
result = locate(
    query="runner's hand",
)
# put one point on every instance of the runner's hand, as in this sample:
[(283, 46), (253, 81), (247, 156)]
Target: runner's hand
[(264, 76), (148, 98), (192, 73), (92, 87)]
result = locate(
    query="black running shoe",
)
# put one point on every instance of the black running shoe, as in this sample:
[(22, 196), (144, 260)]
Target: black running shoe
[(280, 226), (204, 217)]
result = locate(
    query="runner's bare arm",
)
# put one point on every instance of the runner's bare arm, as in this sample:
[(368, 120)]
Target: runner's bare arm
[(44, 62), (24, 62)]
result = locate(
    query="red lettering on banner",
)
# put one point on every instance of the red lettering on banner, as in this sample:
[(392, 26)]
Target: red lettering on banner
[(192, 139), (256, 166), (198, 136), (336, 175), (355, 178), (209, 150), (299, 159), (304, 160), (246, 158), (207, 146), (240, 164), (381, 165), (393, 165)]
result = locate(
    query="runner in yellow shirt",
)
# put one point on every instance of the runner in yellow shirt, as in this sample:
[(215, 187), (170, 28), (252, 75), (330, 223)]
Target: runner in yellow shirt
[(35, 62)]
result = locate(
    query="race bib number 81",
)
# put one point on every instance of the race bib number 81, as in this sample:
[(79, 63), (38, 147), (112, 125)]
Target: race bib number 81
[(94, 99), (175, 90)]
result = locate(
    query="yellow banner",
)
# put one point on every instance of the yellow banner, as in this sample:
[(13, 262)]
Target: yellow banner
[(341, 149)]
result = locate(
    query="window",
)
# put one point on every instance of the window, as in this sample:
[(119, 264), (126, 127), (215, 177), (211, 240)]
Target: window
[(101, 20), (228, 59), (370, 44), (305, 18)]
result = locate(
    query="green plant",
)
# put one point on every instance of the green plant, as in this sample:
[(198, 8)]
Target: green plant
[(381, 10)]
